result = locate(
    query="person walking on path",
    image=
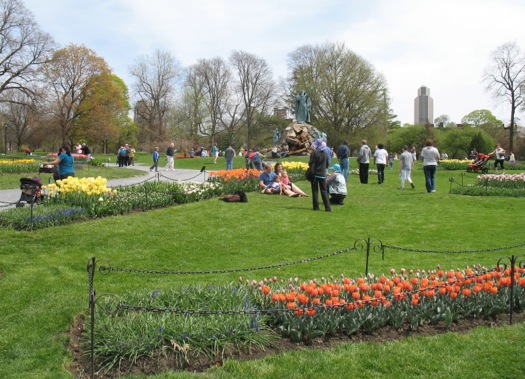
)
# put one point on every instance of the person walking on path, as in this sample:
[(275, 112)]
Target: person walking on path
[(499, 158), (363, 158), (170, 155), (229, 154), (380, 159), (319, 164), (155, 160), (215, 153), (343, 155), (430, 157), (406, 163)]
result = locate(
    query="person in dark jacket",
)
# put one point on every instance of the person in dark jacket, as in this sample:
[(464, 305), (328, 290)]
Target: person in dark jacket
[(320, 162)]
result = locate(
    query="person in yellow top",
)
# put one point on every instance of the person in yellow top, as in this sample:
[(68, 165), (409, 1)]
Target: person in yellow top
[(131, 155)]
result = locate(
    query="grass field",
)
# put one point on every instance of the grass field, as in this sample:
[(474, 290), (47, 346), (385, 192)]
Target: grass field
[(44, 284)]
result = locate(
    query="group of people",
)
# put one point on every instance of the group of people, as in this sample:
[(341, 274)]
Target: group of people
[(126, 156), (83, 148), (170, 158), (429, 155), (275, 180), (332, 186), (500, 156)]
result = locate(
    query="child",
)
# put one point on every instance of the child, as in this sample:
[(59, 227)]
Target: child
[(279, 188), (273, 187), (285, 180), (155, 160)]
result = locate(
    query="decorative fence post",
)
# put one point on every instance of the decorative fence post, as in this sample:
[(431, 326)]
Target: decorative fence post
[(32, 220), (92, 301), (203, 170), (513, 259), (376, 246)]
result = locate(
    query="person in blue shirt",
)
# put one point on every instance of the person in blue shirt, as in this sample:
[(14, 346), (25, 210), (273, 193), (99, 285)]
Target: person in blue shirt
[(155, 160), (267, 176), (65, 162)]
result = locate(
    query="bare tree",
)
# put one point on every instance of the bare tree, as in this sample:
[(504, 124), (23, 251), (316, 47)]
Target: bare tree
[(505, 78), (190, 110), (23, 48), (71, 77), (255, 85), (215, 76), (20, 114), (155, 83)]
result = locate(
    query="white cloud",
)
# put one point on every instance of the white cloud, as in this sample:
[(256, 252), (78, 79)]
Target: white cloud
[(444, 45)]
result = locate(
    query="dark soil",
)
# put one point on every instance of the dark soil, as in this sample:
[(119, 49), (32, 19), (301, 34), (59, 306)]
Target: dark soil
[(81, 368)]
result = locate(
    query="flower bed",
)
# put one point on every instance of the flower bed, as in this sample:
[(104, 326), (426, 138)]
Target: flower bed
[(94, 199), (232, 180), (217, 321), (510, 185), (76, 156), (18, 166), (326, 308), (454, 164)]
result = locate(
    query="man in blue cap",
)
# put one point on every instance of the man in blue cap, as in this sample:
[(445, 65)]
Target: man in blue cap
[(336, 183)]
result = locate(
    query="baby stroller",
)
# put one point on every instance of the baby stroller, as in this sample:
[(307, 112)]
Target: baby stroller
[(49, 169), (31, 188), (479, 163)]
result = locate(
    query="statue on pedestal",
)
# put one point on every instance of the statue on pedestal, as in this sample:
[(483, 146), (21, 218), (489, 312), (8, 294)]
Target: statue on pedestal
[(302, 108), (276, 137)]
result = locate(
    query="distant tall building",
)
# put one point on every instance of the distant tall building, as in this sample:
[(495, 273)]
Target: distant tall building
[(423, 107)]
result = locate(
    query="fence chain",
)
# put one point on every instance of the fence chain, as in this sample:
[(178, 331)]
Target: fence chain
[(390, 297), (109, 268), (454, 251), (5, 204)]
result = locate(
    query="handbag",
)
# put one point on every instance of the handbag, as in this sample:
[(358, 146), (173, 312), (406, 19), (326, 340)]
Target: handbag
[(310, 174)]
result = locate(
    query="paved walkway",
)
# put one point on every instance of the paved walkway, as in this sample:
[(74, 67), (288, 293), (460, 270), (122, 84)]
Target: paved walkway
[(9, 197)]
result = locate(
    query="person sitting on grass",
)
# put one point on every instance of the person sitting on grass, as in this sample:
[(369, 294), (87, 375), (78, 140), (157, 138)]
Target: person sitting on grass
[(279, 170), (276, 187), (336, 183)]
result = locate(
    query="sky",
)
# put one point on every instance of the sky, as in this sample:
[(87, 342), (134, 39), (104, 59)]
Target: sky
[(445, 45)]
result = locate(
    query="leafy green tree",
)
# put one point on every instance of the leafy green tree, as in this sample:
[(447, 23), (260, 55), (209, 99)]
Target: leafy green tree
[(72, 78), (459, 142), (482, 141), (104, 112), (481, 118), (409, 135), (347, 93), (441, 121)]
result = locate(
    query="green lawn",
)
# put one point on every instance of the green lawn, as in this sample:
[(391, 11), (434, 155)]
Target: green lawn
[(43, 278)]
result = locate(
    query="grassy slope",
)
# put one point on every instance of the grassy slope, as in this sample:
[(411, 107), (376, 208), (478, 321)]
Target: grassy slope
[(43, 279)]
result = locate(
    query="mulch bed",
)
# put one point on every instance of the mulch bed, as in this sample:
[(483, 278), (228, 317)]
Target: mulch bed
[(81, 368)]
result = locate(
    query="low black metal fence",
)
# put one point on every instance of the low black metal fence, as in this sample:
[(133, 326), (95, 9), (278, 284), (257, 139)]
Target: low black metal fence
[(367, 246)]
